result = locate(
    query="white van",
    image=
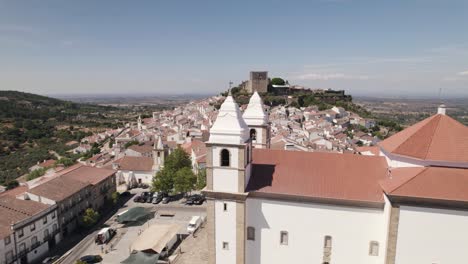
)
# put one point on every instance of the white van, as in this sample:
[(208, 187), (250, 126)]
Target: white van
[(104, 235), (194, 224)]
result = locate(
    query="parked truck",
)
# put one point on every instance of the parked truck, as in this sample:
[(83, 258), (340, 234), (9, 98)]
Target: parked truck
[(105, 235)]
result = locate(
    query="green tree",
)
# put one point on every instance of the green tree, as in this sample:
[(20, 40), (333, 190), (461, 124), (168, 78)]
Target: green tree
[(90, 217), (277, 81), (12, 184), (67, 162), (36, 173), (164, 180), (184, 180), (177, 160), (115, 197), (201, 183), (131, 143)]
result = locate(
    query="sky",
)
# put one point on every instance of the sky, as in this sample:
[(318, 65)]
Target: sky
[(375, 48)]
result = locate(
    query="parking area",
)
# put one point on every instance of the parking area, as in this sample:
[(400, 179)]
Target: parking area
[(119, 247)]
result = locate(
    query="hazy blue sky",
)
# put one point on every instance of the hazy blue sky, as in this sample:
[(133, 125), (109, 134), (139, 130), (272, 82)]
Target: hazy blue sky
[(170, 46)]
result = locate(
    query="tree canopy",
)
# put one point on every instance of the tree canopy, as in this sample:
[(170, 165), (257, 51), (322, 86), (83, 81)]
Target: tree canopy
[(277, 81), (176, 176), (90, 217)]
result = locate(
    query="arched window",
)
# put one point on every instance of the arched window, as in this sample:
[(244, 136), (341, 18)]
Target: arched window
[(225, 158), (253, 134)]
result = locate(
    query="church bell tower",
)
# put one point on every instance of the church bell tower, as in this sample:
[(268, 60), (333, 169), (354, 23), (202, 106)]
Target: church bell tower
[(228, 171), (257, 121)]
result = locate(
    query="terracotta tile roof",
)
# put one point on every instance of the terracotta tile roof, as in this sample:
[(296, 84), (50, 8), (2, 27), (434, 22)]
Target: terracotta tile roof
[(145, 148), (59, 188), (13, 210), (199, 147), (438, 138), (87, 174), (374, 150), (15, 191), (321, 175), (135, 163), (439, 183)]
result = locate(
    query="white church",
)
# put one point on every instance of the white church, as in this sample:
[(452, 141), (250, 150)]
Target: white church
[(408, 204)]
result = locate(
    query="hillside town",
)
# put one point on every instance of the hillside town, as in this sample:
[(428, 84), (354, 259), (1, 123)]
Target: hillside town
[(54, 218), (41, 212)]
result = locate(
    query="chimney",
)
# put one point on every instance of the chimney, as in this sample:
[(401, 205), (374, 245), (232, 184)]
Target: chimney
[(441, 109)]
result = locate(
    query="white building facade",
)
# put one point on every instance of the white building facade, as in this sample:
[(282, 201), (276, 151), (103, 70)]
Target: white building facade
[(275, 206)]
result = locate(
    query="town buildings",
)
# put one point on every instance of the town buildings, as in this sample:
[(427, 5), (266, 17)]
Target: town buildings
[(39, 214), (28, 230), (405, 201)]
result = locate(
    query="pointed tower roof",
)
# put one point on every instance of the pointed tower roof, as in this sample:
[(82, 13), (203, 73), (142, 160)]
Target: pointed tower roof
[(437, 138), (158, 145), (229, 127), (255, 113)]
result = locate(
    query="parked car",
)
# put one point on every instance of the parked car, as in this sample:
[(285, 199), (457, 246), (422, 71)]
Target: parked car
[(158, 197), (126, 194), (149, 198), (105, 235), (50, 260), (195, 199), (166, 199), (194, 224), (138, 199), (91, 259), (156, 200)]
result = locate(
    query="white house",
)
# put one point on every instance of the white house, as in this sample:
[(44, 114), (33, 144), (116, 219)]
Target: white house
[(28, 230), (407, 205)]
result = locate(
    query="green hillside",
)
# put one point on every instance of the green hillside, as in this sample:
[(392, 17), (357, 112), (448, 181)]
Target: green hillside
[(32, 127)]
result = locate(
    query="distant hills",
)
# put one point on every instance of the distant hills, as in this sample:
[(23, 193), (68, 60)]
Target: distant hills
[(33, 127), (16, 105)]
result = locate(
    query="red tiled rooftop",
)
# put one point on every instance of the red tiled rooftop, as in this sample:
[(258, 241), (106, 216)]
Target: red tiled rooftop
[(321, 175), (439, 183), (89, 174), (59, 188), (13, 210), (135, 163), (437, 138)]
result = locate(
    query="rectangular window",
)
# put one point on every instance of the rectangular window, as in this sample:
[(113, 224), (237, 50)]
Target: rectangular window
[(225, 245), (9, 256), (225, 207), (327, 242), (53, 215), (7, 240), (33, 227), (374, 248), (22, 248), (251, 233), (44, 221), (284, 238), (20, 233)]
